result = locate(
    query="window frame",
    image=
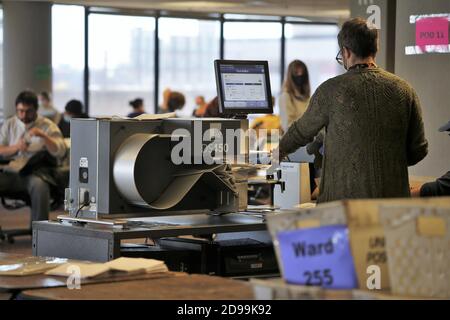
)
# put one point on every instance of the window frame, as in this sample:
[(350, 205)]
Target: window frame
[(221, 17)]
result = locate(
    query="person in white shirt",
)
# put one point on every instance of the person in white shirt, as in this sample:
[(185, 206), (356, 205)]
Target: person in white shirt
[(46, 108), (21, 137), (296, 93)]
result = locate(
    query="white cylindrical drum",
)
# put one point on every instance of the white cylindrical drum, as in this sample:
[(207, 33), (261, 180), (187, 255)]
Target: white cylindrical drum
[(142, 168)]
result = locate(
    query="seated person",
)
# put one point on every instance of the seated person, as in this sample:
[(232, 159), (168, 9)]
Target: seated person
[(212, 109), (201, 105), (73, 109), (175, 101), (438, 188), (46, 108), (268, 121), (21, 137), (138, 108), (270, 126), (163, 108)]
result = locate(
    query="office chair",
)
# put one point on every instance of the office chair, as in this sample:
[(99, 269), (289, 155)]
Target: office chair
[(11, 201), (14, 201)]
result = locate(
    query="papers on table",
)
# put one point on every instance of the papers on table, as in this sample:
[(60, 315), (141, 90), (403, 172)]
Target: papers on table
[(29, 265), (123, 265)]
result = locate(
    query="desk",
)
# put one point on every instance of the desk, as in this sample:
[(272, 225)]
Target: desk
[(13, 285), (94, 243), (189, 287)]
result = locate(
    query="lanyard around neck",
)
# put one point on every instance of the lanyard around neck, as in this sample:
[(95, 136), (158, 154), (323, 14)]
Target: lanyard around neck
[(363, 66)]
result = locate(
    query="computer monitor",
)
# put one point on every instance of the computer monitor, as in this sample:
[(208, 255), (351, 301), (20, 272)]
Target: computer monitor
[(243, 87)]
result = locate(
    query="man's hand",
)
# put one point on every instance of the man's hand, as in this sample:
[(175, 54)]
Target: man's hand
[(415, 190), (37, 132), (21, 145), (275, 162), (50, 143)]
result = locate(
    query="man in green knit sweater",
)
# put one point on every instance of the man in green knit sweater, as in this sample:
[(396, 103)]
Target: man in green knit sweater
[(373, 123)]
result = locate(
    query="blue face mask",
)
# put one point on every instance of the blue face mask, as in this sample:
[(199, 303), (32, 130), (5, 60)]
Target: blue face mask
[(67, 118)]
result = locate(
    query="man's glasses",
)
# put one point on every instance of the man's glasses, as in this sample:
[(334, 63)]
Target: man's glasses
[(339, 58), (26, 111)]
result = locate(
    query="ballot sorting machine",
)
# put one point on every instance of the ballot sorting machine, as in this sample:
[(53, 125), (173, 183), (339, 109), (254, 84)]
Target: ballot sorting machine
[(159, 178)]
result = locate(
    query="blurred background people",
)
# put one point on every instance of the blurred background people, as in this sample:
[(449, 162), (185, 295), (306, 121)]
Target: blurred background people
[(163, 108), (200, 106), (269, 122), (438, 188), (270, 125), (23, 137), (296, 92), (175, 101), (46, 108), (212, 109), (138, 108), (74, 109)]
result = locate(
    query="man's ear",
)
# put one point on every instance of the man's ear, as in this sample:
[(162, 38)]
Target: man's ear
[(346, 53)]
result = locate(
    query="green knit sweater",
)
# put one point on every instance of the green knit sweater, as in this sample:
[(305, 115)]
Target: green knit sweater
[(374, 131)]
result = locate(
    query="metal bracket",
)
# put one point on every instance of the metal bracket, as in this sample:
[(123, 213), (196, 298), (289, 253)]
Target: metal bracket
[(119, 223)]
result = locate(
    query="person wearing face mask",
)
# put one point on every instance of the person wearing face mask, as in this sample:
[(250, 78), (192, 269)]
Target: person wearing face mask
[(21, 138), (296, 93), (372, 120), (46, 108), (74, 109)]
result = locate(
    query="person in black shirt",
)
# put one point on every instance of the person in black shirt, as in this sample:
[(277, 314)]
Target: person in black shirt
[(438, 188), (74, 109), (138, 108)]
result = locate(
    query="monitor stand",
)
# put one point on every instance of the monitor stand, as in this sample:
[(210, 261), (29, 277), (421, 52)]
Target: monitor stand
[(235, 116)]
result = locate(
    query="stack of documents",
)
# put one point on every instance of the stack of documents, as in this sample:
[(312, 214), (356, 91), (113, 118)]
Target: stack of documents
[(26, 266), (120, 265)]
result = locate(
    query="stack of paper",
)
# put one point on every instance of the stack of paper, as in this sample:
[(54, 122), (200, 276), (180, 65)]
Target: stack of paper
[(29, 265), (132, 265), (123, 265), (83, 270)]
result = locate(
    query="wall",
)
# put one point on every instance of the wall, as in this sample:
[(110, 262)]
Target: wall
[(26, 50), (386, 51), (429, 74)]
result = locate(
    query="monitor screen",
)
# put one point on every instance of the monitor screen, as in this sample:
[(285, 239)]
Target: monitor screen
[(243, 87)]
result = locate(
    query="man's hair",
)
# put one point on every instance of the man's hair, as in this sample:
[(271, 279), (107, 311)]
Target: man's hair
[(359, 38), (45, 95), (28, 98)]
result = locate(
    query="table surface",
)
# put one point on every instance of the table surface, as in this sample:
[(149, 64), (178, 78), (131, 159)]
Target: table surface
[(188, 287), (19, 283), (163, 226)]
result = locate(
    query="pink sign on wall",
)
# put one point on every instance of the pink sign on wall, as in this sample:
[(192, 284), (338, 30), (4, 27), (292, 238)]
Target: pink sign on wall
[(432, 31)]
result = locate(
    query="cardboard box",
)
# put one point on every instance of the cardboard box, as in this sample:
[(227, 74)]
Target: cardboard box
[(277, 289), (367, 238), (418, 247), (287, 220)]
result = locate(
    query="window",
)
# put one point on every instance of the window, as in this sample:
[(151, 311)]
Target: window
[(256, 41), (67, 54), (121, 63), (317, 46), (188, 48)]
